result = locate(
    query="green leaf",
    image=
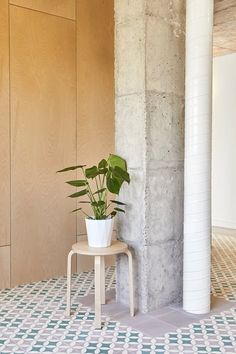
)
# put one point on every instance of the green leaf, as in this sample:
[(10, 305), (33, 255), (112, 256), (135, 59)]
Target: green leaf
[(73, 211), (71, 168), (103, 171), (118, 172), (91, 172), (113, 184), (113, 213), (100, 191), (115, 160), (102, 164), (117, 202), (99, 203), (77, 183), (118, 209), (78, 194), (84, 202)]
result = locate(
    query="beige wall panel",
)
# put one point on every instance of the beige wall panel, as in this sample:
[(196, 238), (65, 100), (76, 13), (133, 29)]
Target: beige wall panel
[(4, 267), (4, 127), (64, 8), (43, 113), (95, 82), (224, 34)]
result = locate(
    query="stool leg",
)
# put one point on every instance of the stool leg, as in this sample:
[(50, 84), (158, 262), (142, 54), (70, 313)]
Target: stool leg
[(97, 266), (69, 282), (103, 294), (131, 283)]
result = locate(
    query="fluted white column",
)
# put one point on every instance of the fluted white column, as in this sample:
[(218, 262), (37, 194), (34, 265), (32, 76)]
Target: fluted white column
[(197, 199)]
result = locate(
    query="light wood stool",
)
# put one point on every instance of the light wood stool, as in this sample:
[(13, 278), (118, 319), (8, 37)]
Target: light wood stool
[(116, 247)]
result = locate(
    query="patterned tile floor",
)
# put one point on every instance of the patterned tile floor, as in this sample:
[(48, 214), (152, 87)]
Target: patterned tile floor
[(223, 278), (32, 319)]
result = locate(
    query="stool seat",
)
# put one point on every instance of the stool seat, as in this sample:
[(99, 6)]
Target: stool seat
[(116, 247)]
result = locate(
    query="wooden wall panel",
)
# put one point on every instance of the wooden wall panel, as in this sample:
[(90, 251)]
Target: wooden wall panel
[(4, 267), (43, 114), (95, 82), (4, 127), (64, 8), (224, 33)]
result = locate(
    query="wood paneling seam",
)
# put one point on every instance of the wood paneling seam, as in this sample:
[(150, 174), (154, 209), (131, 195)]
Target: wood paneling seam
[(42, 12), (9, 122), (76, 113)]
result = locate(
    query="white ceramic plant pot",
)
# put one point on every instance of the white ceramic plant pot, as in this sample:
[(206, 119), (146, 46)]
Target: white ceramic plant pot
[(99, 232)]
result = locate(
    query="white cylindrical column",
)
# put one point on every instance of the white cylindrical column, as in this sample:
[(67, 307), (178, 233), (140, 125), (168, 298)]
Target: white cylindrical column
[(197, 197)]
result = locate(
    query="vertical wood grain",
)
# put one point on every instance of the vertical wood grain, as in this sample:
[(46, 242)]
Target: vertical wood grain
[(95, 83), (224, 33), (43, 118), (4, 127), (64, 8), (4, 267)]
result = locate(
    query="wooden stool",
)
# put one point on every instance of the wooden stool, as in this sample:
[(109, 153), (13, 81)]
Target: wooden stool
[(116, 247)]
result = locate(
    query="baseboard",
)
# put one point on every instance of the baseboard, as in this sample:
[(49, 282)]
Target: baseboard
[(224, 230), (224, 224)]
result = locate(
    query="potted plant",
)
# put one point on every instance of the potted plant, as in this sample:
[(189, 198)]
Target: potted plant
[(97, 183)]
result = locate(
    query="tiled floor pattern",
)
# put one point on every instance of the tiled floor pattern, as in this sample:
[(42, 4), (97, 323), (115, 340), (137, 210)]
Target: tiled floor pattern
[(32, 319), (223, 279)]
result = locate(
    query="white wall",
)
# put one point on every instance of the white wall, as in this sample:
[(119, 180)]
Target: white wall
[(224, 142)]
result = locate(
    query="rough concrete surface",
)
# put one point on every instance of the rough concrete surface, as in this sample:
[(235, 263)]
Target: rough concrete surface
[(131, 109), (164, 52), (165, 128), (165, 205), (149, 51), (130, 73)]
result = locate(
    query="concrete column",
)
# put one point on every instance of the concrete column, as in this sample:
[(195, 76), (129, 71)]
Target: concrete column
[(197, 196), (149, 52)]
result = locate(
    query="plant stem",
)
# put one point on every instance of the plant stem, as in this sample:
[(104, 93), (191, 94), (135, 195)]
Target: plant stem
[(99, 177), (90, 194), (99, 194)]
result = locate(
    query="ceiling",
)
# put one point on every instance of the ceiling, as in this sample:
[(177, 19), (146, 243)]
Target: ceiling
[(224, 37)]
